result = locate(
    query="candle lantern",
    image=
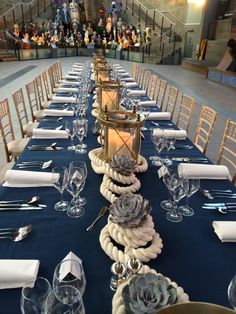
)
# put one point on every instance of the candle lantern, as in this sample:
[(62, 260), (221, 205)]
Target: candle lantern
[(120, 133), (102, 73), (109, 95)]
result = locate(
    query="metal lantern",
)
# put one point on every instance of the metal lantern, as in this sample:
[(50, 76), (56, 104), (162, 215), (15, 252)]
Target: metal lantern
[(102, 73), (108, 95), (120, 133)]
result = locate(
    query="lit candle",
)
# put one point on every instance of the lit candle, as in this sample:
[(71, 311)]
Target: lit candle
[(119, 142)]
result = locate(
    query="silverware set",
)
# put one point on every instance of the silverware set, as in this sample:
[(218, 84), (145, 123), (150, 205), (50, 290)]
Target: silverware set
[(162, 124), (60, 119), (53, 146), (212, 194), (22, 205), (15, 234), (34, 164), (190, 159)]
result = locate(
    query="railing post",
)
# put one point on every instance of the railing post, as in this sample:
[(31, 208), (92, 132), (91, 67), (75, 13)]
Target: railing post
[(173, 52), (128, 55), (36, 48), (139, 11), (126, 5), (22, 12), (5, 22), (162, 53), (45, 5), (146, 19), (154, 18), (38, 7), (31, 18), (143, 55), (162, 23), (132, 8), (170, 32), (13, 15)]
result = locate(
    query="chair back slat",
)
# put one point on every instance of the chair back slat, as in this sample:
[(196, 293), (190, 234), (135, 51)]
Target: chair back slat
[(185, 112), (171, 100), (39, 90), (20, 107), (159, 93), (46, 84), (32, 97)]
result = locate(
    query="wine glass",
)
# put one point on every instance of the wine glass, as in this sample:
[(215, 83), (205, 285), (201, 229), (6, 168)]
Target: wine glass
[(33, 298), (145, 111), (169, 144), (194, 185), (60, 184), (63, 277), (74, 187), (159, 144), (167, 177), (232, 292), (178, 189), (67, 301), (71, 131), (80, 201), (81, 131)]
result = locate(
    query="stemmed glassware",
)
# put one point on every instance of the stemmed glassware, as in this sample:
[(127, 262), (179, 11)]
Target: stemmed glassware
[(194, 185), (61, 182), (80, 201), (169, 144), (159, 144), (75, 186), (81, 132), (62, 278), (67, 301), (167, 177), (232, 292), (71, 131), (33, 298)]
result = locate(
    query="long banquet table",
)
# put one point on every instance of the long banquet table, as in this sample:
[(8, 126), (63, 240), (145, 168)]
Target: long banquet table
[(192, 255)]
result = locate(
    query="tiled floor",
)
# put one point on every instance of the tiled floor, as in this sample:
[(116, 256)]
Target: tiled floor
[(221, 98)]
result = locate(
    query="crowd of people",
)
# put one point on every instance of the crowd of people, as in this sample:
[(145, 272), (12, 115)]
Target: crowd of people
[(69, 28)]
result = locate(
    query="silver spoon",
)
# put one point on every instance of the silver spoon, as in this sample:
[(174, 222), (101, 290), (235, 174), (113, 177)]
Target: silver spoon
[(25, 229), (15, 236), (32, 200), (224, 210)]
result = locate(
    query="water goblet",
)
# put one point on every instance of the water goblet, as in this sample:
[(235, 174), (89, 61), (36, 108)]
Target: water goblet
[(232, 292), (80, 201), (74, 187), (33, 297), (194, 185), (81, 131), (60, 183), (167, 177), (169, 144), (71, 131), (67, 301), (63, 277), (159, 144), (145, 111)]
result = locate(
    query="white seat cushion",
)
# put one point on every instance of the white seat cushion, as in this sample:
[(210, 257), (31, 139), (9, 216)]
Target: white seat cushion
[(28, 128), (38, 114), (16, 147), (3, 170)]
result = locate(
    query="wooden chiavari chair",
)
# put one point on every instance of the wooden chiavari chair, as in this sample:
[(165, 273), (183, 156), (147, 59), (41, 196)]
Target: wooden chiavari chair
[(136, 74), (140, 76), (26, 127), (47, 88), (185, 112), (205, 127), (43, 103), (227, 155), (171, 100), (134, 70), (36, 112), (153, 86), (12, 147), (146, 80), (159, 93)]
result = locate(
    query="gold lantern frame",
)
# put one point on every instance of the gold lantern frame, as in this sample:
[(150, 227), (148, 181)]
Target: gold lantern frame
[(109, 95), (120, 122), (102, 73)]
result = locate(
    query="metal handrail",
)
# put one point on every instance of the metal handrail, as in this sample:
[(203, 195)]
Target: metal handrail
[(18, 5)]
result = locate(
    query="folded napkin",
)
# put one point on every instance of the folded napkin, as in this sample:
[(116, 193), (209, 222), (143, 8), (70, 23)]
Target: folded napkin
[(124, 74), (42, 133), (120, 70), (225, 230), (56, 113), (67, 89), (72, 73), (71, 77), (147, 103), (159, 116), (64, 82), (131, 84), (137, 93), (127, 79), (64, 99), (75, 71), (116, 65), (78, 64), (23, 178), (16, 273), (215, 172), (177, 134)]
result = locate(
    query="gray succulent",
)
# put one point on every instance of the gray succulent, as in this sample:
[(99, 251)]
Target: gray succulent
[(145, 294), (129, 210), (123, 164)]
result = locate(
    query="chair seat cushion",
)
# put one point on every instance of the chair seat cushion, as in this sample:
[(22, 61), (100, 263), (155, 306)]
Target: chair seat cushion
[(199, 147), (46, 104), (28, 128), (3, 170), (38, 114), (16, 147)]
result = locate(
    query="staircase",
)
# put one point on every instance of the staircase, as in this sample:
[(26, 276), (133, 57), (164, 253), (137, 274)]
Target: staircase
[(7, 56)]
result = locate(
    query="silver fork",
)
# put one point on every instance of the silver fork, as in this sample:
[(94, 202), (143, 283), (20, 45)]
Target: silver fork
[(43, 165), (213, 196)]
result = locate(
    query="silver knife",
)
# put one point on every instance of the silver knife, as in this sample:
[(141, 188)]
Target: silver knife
[(21, 205), (189, 159), (45, 148), (214, 207), (218, 204), (20, 208)]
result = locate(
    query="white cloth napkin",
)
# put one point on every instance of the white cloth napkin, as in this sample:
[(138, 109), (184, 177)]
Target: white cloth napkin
[(78, 64), (131, 84), (124, 74), (67, 89), (65, 82), (56, 113), (16, 273), (63, 99), (120, 70), (225, 230), (72, 73), (159, 116), (127, 79), (75, 71), (137, 93), (215, 172), (147, 103), (41, 133), (23, 178), (177, 134), (71, 77)]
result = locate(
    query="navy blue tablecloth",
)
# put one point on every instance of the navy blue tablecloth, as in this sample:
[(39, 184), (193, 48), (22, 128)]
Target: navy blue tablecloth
[(192, 255)]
